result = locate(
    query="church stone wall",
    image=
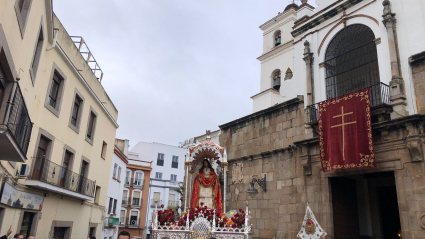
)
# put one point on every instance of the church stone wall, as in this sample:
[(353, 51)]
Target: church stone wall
[(273, 142), (263, 143), (417, 63)]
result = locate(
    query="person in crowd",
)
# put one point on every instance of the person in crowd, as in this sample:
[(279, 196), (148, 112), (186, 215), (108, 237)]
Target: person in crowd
[(7, 234), (92, 237), (31, 237), (122, 235), (19, 236)]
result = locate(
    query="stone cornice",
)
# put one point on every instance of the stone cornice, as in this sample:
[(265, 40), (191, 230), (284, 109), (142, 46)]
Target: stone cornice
[(264, 91), (417, 58), (277, 18), (332, 10), (286, 104), (276, 50)]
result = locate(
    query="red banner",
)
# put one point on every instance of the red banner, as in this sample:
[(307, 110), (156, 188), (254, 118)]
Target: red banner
[(345, 132)]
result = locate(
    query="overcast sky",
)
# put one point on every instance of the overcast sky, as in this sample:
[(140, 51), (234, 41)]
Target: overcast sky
[(173, 68)]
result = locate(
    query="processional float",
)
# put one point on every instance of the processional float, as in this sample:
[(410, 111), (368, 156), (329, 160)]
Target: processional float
[(204, 214)]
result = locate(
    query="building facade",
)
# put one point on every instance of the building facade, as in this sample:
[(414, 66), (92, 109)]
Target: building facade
[(332, 50), (166, 175), (57, 127), (115, 189), (134, 199)]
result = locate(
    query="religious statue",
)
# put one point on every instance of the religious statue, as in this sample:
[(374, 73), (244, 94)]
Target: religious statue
[(206, 188)]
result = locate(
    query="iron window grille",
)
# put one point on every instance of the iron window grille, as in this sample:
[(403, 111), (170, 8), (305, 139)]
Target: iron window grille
[(160, 160)]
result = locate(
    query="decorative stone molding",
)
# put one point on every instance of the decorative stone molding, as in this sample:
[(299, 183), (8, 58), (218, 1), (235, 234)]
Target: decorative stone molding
[(415, 149), (377, 41), (276, 50)]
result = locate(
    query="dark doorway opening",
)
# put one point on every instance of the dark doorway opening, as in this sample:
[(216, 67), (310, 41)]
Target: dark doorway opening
[(365, 206)]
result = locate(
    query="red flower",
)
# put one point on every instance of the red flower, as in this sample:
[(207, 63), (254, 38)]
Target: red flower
[(162, 205), (234, 225), (202, 204)]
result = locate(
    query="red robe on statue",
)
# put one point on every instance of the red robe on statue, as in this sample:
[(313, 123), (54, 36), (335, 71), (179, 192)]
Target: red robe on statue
[(211, 181)]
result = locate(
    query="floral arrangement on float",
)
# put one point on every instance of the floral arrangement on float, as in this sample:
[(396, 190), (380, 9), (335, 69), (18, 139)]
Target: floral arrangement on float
[(168, 217)]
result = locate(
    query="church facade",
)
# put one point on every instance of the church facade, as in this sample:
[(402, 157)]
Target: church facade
[(311, 55)]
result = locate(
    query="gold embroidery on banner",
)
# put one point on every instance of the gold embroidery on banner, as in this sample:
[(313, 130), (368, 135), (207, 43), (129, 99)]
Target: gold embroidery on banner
[(365, 160)]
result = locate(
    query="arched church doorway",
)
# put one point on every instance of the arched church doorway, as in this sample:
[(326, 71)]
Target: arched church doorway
[(351, 63)]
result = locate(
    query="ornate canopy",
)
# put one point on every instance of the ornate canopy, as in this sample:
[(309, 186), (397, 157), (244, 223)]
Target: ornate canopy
[(206, 150)]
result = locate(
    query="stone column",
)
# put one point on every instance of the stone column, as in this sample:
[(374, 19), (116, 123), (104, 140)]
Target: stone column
[(308, 58), (397, 90)]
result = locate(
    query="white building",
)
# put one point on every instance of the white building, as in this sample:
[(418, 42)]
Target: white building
[(167, 172), (305, 39), (115, 189)]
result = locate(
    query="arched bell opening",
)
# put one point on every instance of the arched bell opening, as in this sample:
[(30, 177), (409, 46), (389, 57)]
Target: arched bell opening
[(351, 63), (276, 75)]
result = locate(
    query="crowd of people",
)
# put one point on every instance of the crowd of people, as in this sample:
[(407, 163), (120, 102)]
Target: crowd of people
[(121, 235)]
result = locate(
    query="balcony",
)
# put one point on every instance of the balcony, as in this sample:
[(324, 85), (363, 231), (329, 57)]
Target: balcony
[(134, 182), (136, 202), (15, 125), (52, 177), (379, 95)]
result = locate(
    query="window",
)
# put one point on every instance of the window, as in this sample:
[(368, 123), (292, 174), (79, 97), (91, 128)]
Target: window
[(127, 177), (114, 175), (22, 8), (175, 162), (136, 198), (92, 231), (115, 206), (104, 147), (111, 201), (122, 217), (156, 196), (76, 112), (138, 178), (55, 91), (66, 169), (134, 218), (277, 38), (124, 198), (91, 126), (172, 200), (173, 177), (158, 175), (37, 54), (119, 173), (160, 161), (276, 79)]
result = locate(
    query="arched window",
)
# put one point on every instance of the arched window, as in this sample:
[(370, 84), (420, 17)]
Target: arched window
[(351, 62), (276, 75), (277, 38), (138, 179)]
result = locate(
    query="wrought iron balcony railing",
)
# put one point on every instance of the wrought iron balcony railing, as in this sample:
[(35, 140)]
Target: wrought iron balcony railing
[(379, 95), (14, 115), (46, 171), (136, 201), (135, 182)]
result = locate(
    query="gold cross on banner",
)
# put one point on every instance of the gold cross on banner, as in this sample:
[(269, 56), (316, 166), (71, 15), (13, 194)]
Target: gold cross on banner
[(342, 125)]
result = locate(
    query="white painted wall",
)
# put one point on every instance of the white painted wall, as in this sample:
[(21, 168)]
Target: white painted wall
[(115, 190), (410, 21), (149, 152)]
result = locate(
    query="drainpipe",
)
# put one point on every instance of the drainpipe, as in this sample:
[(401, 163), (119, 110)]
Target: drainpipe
[(54, 39)]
